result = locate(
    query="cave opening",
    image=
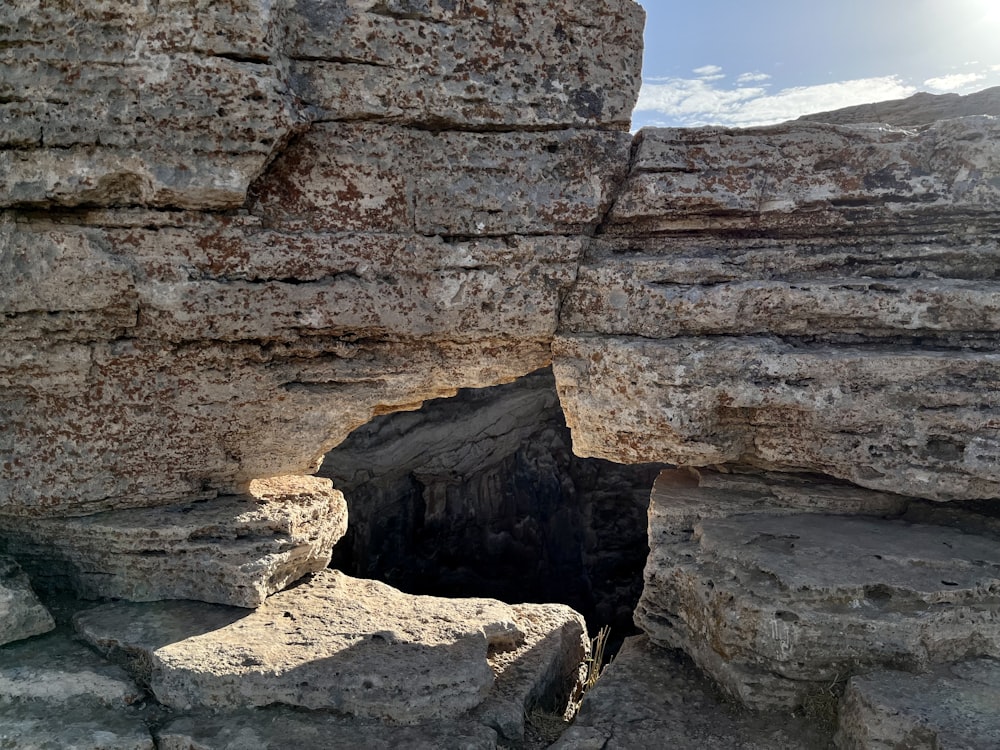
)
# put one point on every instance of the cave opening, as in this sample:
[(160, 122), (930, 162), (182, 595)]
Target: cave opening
[(481, 495)]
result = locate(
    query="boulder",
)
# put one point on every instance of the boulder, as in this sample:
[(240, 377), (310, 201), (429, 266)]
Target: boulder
[(951, 707), (22, 614), (779, 605), (334, 642), (235, 550)]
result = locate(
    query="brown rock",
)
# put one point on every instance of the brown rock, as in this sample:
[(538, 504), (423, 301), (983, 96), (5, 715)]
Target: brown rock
[(920, 109)]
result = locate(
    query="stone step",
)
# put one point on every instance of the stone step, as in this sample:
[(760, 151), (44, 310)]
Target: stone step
[(234, 549), (357, 647), (954, 707), (779, 606), (55, 693)]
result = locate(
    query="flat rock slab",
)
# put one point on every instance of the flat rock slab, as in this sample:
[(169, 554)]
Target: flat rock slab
[(55, 693), (951, 708), (21, 614), (234, 550), (358, 647), (777, 608), (649, 698), (266, 729)]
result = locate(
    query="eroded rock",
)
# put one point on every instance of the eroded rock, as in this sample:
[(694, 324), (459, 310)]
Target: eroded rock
[(233, 550), (21, 614), (951, 707), (59, 694), (359, 647), (778, 605)]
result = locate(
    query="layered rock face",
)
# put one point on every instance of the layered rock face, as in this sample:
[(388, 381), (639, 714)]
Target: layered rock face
[(801, 297), (480, 493), (233, 237)]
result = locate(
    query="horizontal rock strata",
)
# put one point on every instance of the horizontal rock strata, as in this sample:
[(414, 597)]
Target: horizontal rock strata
[(800, 297), (357, 647), (776, 603), (950, 707), (21, 614), (233, 550), (376, 259), (57, 693)]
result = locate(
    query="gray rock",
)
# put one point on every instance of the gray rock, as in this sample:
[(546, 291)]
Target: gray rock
[(649, 697), (356, 646), (920, 109), (778, 607), (394, 179), (950, 708), (21, 614), (510, 64), (55, 693), (267, 729), (909, 420), (233, 550), (803, 297)]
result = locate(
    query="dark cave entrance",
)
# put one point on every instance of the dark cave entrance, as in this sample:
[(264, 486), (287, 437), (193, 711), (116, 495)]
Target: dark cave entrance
[(481, 495)]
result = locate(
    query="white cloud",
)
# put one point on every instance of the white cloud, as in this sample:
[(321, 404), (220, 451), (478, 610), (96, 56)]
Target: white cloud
[(953, 81), (708, 70), (751, 77), (690, 102)]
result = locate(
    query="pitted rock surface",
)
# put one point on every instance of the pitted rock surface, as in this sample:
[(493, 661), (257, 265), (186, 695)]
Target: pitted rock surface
[(334, 642), (802, 297), (778, 605), (233, 550), (21, 614), (953, 706)]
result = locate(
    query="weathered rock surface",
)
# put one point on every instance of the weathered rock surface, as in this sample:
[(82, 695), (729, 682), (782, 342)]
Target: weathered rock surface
[(481, 494), (55, 693), (469, 65), (803, 297), (139, 103), (951, 708), (357, 647), (234, 550), (21, 614), (649, 697), (776, 605), (920, 109), (274, 728)]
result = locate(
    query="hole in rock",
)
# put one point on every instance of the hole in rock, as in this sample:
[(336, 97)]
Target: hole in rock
[(481, 495)]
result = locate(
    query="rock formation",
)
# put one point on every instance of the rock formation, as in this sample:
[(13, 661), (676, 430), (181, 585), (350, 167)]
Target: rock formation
[(480, 493), (231, 233)]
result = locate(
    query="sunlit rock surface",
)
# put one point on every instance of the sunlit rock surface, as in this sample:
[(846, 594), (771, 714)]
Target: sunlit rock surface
[(233, 550), (802, 297)]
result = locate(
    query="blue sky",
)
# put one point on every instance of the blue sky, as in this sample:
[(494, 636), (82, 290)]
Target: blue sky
[(756, 62)]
